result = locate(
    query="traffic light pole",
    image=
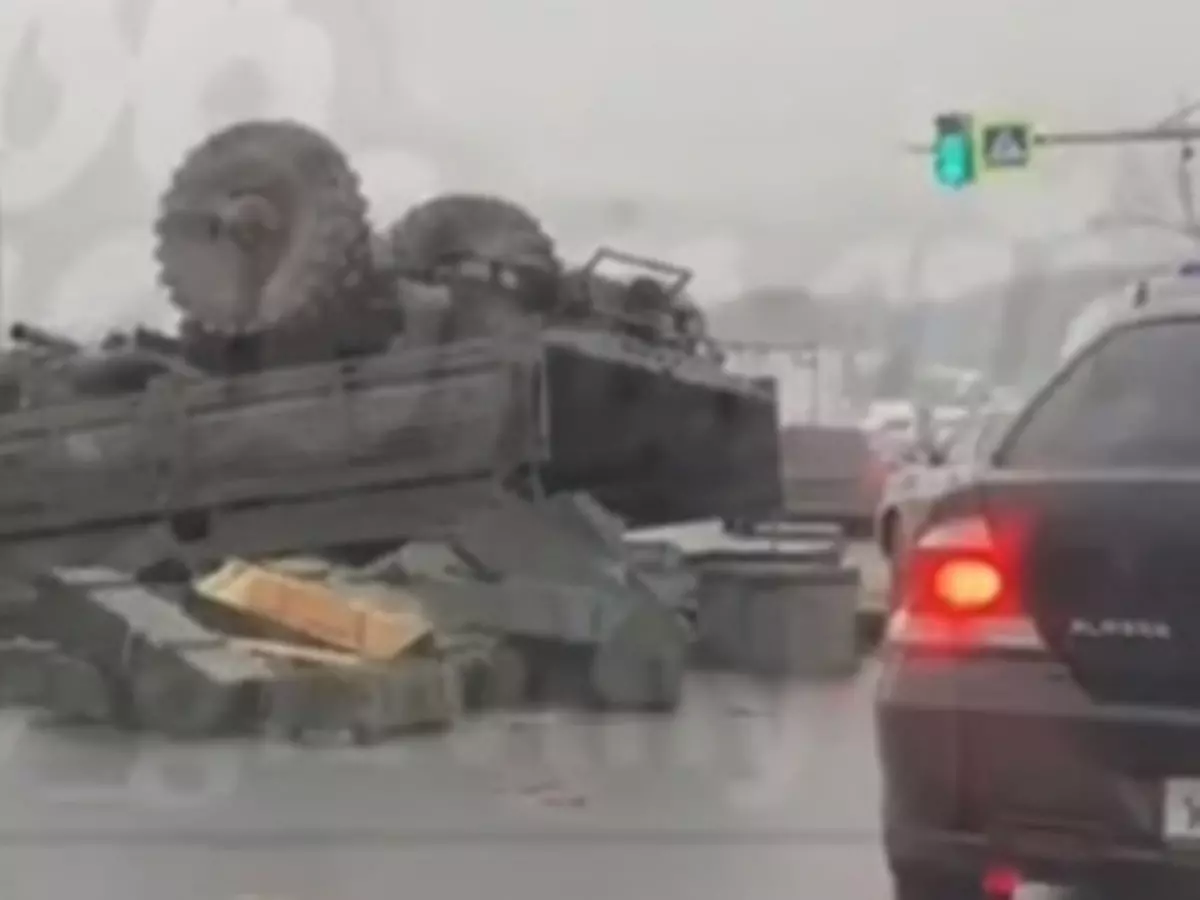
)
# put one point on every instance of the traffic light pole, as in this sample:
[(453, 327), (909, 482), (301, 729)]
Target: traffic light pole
[(965, 150), (1166, 135), (1169, 134)]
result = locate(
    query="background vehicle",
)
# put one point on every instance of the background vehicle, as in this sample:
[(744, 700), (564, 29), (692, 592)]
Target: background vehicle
[(830, 474), (1039, 707), (914, 485)]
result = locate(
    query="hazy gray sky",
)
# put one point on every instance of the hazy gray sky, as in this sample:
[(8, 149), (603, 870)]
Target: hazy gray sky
[(781, 110), (804, 98), (737, 126)]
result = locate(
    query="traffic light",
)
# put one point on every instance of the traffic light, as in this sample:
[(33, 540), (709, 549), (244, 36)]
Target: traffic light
[(954, 150)]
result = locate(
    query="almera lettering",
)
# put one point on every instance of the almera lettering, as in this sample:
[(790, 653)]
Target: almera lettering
[(1120, 628)]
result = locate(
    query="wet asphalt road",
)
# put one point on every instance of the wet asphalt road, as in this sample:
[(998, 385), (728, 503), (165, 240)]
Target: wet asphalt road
[(749, 791)]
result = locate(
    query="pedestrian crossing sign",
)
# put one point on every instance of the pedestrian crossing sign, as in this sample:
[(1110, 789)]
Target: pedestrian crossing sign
[(1005, 145)]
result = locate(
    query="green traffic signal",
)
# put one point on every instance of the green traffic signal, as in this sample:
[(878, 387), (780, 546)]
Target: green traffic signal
[(954, 150), (951, 164)]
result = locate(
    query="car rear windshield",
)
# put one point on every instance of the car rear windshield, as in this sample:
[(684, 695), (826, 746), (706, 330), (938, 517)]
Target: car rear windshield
[(1132, 401)]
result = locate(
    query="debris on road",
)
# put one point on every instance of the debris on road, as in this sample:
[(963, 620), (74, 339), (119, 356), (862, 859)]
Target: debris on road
[(370, 701), (551, 576), (771, 598), (304, 647), (526, 600), (160, 669), (315, 609)]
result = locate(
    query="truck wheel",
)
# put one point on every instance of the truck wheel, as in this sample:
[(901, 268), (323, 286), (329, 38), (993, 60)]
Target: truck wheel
[(454, 227), (263, 224)]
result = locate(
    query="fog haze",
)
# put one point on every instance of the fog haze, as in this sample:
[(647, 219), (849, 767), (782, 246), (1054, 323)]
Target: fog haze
[(760, 141)]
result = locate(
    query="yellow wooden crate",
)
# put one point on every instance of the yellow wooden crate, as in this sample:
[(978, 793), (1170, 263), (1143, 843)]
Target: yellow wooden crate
[(298, 653), (333, 616)]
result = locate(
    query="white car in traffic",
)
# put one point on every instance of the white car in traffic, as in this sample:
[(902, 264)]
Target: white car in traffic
[(916, 483)]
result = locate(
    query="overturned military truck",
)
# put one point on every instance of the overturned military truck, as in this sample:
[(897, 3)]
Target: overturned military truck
[(334, 390)]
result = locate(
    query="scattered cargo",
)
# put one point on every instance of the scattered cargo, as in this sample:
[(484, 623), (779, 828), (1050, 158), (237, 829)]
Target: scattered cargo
[(491, 672), (369, 701), (158, 667), (523, 601), (314, 609), (556, 573), (773, 598), (777, 615)]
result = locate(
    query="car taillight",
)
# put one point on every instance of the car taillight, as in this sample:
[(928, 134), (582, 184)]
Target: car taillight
[(962, 588), (967, 585)]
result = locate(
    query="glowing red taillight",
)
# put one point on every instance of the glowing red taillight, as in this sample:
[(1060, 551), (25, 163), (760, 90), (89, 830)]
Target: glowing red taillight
[(968, 585), (963, 567), (962, 587)]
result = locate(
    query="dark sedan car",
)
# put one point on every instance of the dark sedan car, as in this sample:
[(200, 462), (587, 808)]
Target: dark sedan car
[(1038, 714)]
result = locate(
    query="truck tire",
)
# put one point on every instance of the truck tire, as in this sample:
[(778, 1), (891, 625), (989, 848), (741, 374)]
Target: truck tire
[(263, 223), (454, 227)]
